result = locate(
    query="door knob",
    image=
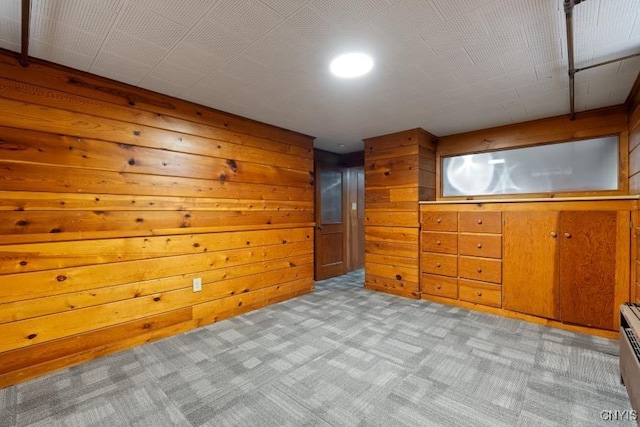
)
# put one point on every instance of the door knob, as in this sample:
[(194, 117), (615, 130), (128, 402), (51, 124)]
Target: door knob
[(438, 264), (479, 245), (554, 234), (438, 242), (479, 293), (438, 220), (567, 235), (438, 286), (479, 222), (479, 270)]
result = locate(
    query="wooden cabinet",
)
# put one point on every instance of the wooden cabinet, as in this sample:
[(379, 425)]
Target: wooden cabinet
[(567, 265), (565, 261), (529, 267), (438, 259), (461, 254)]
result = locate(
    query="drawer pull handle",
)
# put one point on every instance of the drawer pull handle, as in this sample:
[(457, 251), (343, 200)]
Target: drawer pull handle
[(479, 222), (438, 220), (479, 293), (567, 235), (438, 286), (479, 270), (438, 264), (479, 245), (554, 234), (438, 242)]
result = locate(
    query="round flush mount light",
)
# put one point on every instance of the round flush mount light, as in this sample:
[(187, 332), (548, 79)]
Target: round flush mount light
[(351, 65)]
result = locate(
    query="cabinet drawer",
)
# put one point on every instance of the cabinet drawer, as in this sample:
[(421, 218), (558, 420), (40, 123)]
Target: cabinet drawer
[(481, 222), (446, 243), (440, 221), (447, 265), (480, 293), (482, 245), (486, 270), (439, 286)]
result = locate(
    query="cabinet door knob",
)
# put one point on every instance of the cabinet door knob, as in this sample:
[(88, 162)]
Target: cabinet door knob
[(479, 270), (554, 234), (567, 235), (438, 286), (479, 221), (479, 293), (438, 242), (479, 245), (438, 264), (438, 220)]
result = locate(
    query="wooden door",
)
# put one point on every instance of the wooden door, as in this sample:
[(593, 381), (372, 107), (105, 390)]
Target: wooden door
[(590, 242), (330, 241), (529, 276)]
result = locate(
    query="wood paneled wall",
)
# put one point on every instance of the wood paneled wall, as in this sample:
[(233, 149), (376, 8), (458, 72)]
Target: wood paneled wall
[(114, 198), (399, 172), (633, 103)]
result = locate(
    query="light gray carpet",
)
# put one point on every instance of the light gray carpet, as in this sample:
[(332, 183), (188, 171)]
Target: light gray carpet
[(342, 356)]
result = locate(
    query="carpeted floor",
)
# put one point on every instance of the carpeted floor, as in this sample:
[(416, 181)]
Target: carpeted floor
[(342, 356)]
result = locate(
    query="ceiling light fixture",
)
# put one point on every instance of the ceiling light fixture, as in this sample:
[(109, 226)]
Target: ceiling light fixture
[(351, 65)]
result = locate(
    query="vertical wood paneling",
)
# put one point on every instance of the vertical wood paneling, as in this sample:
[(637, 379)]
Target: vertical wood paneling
[(114, 198), (633, 103), (399, 172)]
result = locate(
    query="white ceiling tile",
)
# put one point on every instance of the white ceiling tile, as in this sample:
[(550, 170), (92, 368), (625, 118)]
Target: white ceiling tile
[(349, 14), (630, 66), (112, 5), (605, 73), (10, 31), (251, 18), (529, 58), (551, 70), (546, 30), (59, 55), (80, 14), (490, 49), (617, 11), (217, 39), (541, 87), (285, 7), (51, 32), (455, 33), (149, 26), (197, 60), (11, 10), (117, 67), (162, 86), (125, 45), (243, 68), (521, 77), (175, 74), (451, 9), (306, 29), (585, 14), (407, 19), (184, 12), (503, 16)]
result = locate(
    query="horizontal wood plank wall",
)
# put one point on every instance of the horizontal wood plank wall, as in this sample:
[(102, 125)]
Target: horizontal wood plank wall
[(399, 171), (606, 121), (113, 199)]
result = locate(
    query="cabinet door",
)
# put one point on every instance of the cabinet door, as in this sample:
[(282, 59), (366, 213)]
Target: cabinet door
[(589, 244), (529, 275)]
